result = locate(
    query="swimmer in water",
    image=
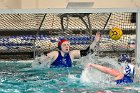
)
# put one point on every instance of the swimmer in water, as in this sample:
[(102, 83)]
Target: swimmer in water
[(64, 57), (120, 78)]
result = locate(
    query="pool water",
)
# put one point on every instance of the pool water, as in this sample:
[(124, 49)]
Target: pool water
[(18, 77)]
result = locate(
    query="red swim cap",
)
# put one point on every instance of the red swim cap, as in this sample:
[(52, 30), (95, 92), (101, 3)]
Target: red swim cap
[(60, 42)]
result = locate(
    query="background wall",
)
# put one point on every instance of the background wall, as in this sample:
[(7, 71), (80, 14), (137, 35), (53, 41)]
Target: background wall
[(39, 4)]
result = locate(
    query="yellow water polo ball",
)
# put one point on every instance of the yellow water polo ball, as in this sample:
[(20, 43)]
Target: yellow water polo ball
[(115, 33)]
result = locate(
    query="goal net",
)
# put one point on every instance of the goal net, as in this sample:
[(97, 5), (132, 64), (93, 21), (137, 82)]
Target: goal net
[(23, 36)]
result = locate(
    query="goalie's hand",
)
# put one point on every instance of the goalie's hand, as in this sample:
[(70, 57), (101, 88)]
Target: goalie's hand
[(97, 39), (98, 36)]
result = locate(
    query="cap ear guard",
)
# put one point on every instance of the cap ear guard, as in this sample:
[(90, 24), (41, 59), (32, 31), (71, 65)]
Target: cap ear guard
[(59, 47)]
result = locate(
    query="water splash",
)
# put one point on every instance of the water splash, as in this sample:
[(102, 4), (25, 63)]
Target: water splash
[(41, 62), (94, 76), (105, 61)]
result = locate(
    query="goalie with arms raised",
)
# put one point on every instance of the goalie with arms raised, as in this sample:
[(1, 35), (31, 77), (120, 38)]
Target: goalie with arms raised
[(64, 57)]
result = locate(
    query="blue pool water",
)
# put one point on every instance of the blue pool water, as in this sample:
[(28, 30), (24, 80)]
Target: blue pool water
[(18, 77)]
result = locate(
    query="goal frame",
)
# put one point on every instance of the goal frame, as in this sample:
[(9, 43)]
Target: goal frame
[(92, 10)]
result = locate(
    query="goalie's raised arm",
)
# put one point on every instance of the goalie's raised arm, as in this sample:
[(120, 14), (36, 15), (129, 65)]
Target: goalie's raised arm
[(97, 39), (64, 57), (85, 52)]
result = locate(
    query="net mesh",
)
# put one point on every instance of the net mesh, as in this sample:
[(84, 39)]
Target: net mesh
[(24, 34)]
